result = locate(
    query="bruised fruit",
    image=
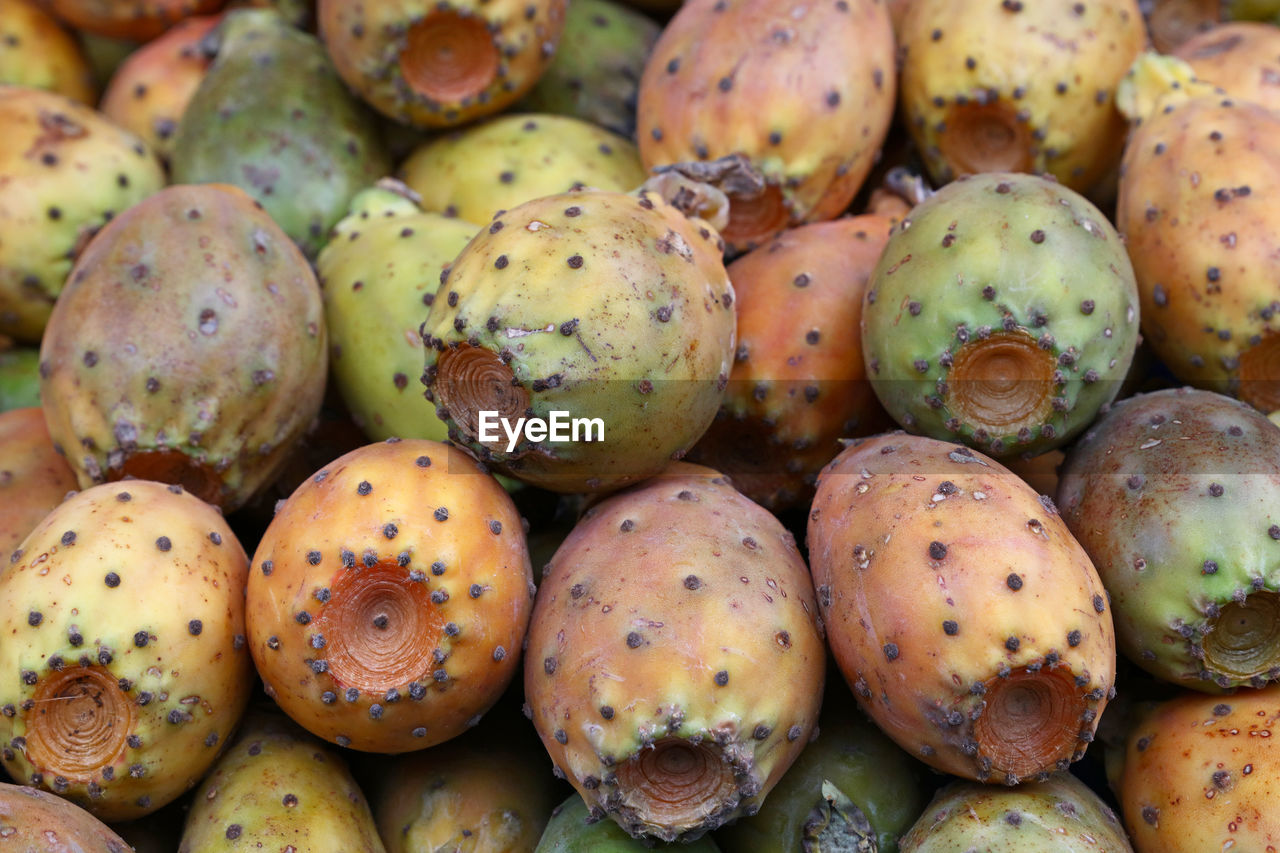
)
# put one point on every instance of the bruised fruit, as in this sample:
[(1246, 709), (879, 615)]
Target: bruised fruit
[(65, 171), (667, 727), (278, 788), (389, 597), (799, 383), (1003, 314), (195, 359), (1057, 815), (1201, 773), (1018, 87), (969, 623), (33, 821), (443, 64), (573, 829), (803, 92), (33, 477), (135, 20), (605, 317), (1176, 496), (485, 170), (123, 616), (36, 51)]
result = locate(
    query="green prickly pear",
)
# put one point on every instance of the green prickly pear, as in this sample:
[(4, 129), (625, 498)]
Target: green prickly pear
[(668, 727), (279, 788), (480, 171), (969, 623), (272, 117), (33, 477), (36, 51), (33, 821), (432, 65), (389, 597), (1200, 773), (805, 93), (595, 74), (65, 171), (1003, 314), (1018, 87), (379, 274), (611, 309), (123, 613), (1057, 815), (197, 359), (1175, 496), (573, 829), (19, 378)]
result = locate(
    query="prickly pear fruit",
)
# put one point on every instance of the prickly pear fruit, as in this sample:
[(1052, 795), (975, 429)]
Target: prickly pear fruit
[(135, 20), (389, 597), (970, 624), (149, 92), (65, 170), (574, 829), (606, 308), (1002, 314), (279, 788), (19, 378), (1242, 58), (1200, 773), (484, 790), (36, 51), (850, 786), (799, 383), (477, 172), (1204, 250), (379, 274), (670, 729), (1018, 87), (1057, 815), (123, 613), (272, 117), (197, 359), (433, 65), (595, 74), (825, 72), (1174, 495), (33, 477), (1171, 23), (32, 821)]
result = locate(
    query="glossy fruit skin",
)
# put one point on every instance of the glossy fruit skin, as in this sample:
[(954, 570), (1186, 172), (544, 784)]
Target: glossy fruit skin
[(206, 367), (389, 597), (66, 171), (806, 94), (126, 606), (1202, 772), (950, 590)]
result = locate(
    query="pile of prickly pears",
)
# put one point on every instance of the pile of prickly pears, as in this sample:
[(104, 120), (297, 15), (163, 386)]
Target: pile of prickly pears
[(592, 425)]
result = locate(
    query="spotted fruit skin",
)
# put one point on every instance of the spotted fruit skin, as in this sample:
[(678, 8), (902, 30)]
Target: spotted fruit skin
[(149, 92), (36, 51), (826, 72), (199, 359), (367, 41), (1195, 212), (1058, 815), (34, 820), (479, 172), (1240, 57), (606, 306), (1001, 260), (955, 599), (66, 170), (124, 617), (1038, 77), (279, 788), (621, 666), (1174, 494), (799, 383), (379, 274), (33, 477), (389, 597), (1202, 773)]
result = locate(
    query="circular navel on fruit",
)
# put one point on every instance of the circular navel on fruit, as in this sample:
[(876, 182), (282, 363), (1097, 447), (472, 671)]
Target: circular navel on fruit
[(79, 723), (1245, 638), (1001, 383), (470, 380), (449, 57), (676, 783), (1260, 374), (985, 138), (753, 219), (1032, 721)]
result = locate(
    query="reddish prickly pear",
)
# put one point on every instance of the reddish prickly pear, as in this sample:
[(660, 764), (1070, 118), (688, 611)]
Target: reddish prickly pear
[(123, 617), (1242, 58), (969, 622), (133, 20), (32, 821), (33, 477), (669, 727), (389, 597)]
